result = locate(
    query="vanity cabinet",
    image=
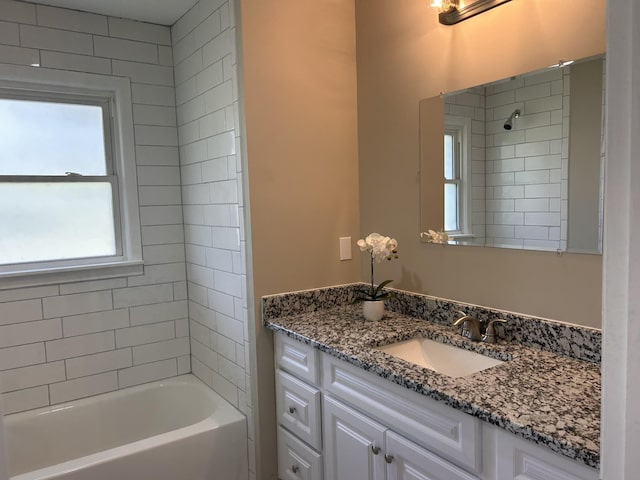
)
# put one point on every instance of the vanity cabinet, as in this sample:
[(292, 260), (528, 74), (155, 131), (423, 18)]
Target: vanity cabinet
[(357, 447), (298, 411), (340, 422)]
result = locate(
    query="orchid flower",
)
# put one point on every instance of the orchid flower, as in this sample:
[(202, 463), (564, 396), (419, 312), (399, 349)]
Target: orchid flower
[(433, 236), (379, 248)]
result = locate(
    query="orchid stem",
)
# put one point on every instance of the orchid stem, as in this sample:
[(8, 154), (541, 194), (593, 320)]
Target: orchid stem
[(372, 290)]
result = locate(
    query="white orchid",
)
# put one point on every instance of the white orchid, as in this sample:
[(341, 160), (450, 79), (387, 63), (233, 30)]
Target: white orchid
[(379, 248), (433, 236)]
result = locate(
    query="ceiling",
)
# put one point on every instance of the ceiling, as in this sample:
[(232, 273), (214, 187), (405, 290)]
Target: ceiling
[(163, 12)]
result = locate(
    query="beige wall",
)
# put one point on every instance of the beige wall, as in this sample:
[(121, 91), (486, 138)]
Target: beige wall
[(300, 84), (300, 107), (405, 55)]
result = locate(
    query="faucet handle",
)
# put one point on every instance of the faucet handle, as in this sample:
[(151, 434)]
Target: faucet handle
[(490, 333)]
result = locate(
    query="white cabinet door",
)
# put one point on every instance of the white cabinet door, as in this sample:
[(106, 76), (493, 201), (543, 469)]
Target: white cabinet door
[(354, 444), (408, 461), (520, 459)]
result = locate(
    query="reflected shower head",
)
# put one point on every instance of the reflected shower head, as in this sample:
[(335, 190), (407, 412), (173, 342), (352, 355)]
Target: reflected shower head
[(508, 125)]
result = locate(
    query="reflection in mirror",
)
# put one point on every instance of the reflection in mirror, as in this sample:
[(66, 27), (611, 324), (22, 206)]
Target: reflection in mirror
[(522, 161)]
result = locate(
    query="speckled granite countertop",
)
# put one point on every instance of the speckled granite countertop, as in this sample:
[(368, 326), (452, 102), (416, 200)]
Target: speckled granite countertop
[(550, 399)]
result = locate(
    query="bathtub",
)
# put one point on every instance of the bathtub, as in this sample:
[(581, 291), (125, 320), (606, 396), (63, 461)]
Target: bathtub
[(177, 429)]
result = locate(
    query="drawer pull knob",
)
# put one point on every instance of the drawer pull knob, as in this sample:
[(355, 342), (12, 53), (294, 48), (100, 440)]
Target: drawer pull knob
[(375, 450), (295, 469), (292, 410), (388, 458)]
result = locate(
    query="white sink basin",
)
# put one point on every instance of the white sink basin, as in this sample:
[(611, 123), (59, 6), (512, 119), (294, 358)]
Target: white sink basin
[(441, 358)]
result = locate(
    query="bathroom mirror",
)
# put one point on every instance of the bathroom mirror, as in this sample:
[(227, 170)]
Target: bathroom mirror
[(517, 163)]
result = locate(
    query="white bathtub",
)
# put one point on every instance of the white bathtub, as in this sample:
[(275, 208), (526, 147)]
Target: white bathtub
[(176, 429)]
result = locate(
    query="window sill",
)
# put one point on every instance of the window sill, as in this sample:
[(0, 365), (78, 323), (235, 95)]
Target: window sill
[(461, 236), (67, 274)]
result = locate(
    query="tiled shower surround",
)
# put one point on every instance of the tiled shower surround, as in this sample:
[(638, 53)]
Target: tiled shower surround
[(206, 78), (188, 312), (61, 342), (66, 341)]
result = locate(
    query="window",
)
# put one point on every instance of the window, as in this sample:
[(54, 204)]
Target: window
[(68, 195), (452, 181), (456, 161)]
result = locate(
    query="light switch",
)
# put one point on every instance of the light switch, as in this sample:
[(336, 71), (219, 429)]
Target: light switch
[(345, 248)]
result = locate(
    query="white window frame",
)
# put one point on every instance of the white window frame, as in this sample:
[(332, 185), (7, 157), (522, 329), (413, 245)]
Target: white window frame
[(462, 128), (46, 83)]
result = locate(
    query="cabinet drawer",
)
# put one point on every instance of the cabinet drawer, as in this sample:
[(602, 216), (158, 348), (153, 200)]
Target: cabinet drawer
[(437, 427), (297, 358), (520, 459), (298, 408), (297, 461)]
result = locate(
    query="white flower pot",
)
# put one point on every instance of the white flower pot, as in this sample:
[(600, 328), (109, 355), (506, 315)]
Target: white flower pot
[(373, 310)]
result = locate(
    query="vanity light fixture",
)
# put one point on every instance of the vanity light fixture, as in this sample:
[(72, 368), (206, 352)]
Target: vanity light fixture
[(455, 11)]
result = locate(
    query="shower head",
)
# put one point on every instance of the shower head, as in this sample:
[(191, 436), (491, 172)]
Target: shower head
[(508, 125)]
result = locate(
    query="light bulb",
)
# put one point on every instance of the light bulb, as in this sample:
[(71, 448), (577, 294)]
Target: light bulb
[(444, 5)]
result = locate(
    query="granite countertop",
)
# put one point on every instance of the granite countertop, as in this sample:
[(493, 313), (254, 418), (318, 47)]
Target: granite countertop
[(550, 399)]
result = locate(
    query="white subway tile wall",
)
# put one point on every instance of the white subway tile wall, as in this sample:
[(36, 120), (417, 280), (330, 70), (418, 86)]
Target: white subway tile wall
[(524, 196), (67, 341), (213, 211), (62, 342)]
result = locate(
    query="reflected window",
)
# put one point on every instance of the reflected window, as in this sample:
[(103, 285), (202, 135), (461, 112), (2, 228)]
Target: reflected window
[(456, 196), (451, 181)]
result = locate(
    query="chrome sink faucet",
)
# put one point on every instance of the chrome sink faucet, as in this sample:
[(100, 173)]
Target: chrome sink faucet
[(471, 326), (475, 329)]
